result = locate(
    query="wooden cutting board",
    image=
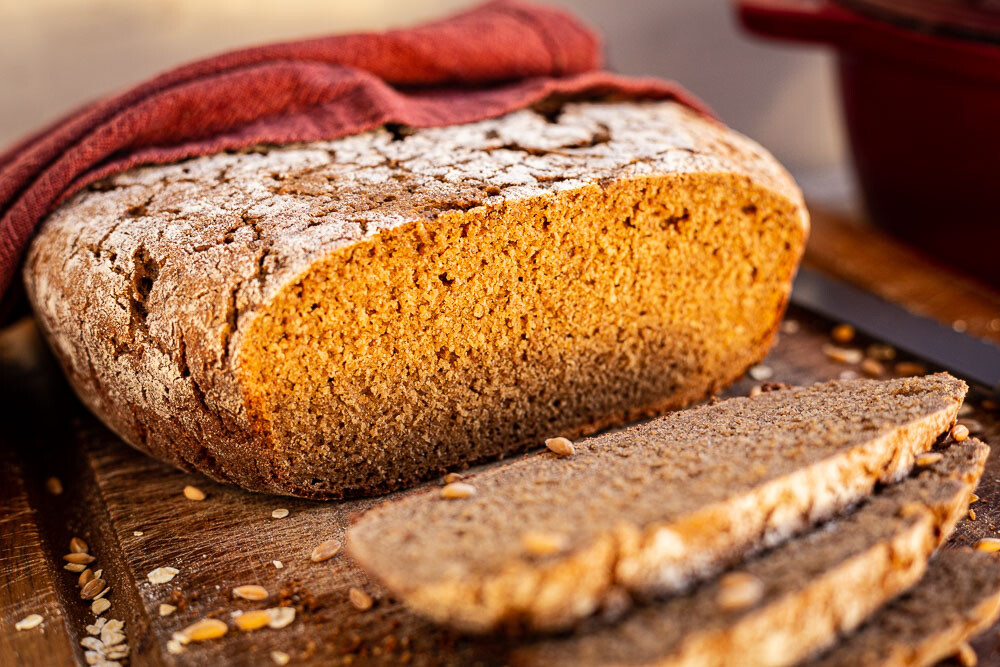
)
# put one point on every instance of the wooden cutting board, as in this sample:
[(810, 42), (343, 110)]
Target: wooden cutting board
[(132, 513)]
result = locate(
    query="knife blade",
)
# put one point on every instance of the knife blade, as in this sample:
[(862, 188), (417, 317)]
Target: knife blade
[(970, 358)]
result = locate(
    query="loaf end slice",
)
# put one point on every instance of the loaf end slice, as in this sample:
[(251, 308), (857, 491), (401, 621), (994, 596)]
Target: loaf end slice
[(348, 317), (958, 598), (796, 599), (546, 541)]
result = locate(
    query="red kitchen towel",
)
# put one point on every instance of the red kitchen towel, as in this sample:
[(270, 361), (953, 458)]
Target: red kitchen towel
[(491, 60)]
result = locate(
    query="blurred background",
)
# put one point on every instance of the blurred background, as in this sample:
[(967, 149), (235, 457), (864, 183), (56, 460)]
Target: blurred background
[(58, 54)]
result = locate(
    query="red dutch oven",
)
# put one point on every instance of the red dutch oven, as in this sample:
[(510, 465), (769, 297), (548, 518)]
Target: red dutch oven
[(920, 85)]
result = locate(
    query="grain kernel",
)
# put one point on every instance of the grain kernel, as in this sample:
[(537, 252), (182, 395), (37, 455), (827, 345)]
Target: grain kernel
[(93, 588), (253, 620), (193, 493), (78, 558), (881, 352), (280, 616), (250, 592), (872, 368), (325, 551), (279, 513), (560, 446), (78, 546), (162, 575), (457, 490), (991, 544), (843, 355), (54, 486), (739, 590), (928, 459), (959, 432), (361, 600), (843, 333), (972, 515), (908, 368), (29, 622), (85, 577), (452, 477), (75, 567), (539, 543), (100, 606), (205, 629)]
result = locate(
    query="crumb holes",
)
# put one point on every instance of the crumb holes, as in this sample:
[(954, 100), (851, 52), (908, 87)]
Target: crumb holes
[(492, 190), (446, 280), (749, 209)]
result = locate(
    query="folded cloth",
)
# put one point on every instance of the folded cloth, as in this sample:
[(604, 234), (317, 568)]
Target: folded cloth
[(488, 61)]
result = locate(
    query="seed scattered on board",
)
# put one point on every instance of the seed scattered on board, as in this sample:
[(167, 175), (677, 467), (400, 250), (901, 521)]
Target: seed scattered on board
[(843, 355), (100, 606), (325, 551), (560, 446), (203, 630), (457, 490), (843, 333), (279, 513), (167, 609), (280, 657), (78, 546), (991, 544), (29, 622), (908, 368), (253, 620), (361, 600), (278, 564), (872, 368), (452, 477), (959, 432), (280, 617), (54, 486), (137, 533), (761, 372), (250, 592), (162, 575), (193, 493)]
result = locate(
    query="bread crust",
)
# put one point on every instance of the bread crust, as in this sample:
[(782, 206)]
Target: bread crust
[(147, 285)]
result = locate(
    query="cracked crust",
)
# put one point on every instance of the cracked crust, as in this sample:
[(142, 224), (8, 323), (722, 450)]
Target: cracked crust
[(168, 292), (813, 589), (653, 508)]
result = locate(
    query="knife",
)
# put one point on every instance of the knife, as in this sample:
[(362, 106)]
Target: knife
[(970, 358)]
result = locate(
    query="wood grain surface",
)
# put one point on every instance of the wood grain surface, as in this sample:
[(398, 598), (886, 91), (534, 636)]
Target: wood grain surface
[(112, 492)]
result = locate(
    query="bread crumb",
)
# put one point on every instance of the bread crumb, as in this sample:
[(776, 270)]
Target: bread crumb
[(280, 657), (29, 622), (162, 575), (843, 333), (167, 609)]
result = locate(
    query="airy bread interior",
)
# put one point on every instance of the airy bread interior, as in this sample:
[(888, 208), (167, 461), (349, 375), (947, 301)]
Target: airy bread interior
[(481, 330)]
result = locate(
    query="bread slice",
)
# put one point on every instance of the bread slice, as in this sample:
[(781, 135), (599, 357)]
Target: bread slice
[(811, 589), (958, 598), (342, 318), (651, 509)]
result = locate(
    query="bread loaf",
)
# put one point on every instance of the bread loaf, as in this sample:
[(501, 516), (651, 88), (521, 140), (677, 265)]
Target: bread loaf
[(346, 317), (548, 540), (809, 591)]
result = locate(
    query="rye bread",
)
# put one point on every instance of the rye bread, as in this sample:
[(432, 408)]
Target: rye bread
[(812, 589), (344, 318), (650, 509), (958, 598)]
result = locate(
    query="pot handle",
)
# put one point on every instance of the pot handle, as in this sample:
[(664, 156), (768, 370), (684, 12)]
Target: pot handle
[(820, 21)]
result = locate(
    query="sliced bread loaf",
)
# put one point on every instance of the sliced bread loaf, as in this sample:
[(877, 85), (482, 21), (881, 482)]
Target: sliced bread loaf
[(346, 317), (546, 540), (958, 598), (795, 600)]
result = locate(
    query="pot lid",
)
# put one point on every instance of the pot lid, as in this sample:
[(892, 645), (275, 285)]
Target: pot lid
[(977, 20)]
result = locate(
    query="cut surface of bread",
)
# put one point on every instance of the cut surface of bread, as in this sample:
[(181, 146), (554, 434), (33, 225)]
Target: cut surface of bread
[(547, 540), (343, 318), (958, 598), (808, 591)]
